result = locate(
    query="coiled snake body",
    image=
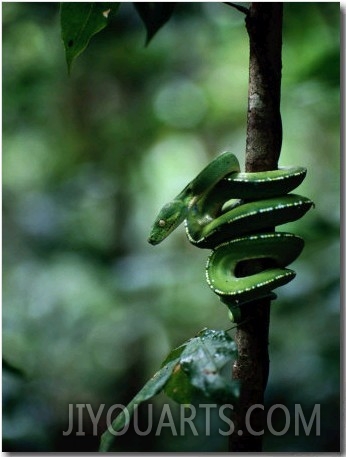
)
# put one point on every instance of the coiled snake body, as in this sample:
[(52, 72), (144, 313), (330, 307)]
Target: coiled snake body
[(234, 214)]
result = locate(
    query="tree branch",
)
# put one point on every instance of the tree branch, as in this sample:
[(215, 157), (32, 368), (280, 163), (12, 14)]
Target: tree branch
[(263, 144), (264, 129)]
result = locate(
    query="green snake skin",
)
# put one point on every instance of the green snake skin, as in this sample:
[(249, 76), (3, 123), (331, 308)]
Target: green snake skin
[(235, 214)]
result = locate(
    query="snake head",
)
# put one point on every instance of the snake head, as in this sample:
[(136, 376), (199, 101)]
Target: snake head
[(168, 219)]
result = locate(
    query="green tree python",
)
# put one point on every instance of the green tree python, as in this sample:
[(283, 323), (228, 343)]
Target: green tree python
[(234, 214)]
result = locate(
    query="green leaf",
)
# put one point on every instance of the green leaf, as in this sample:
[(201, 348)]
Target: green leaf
[(191, 371), (180, 389), (199, 373), (178, 386), (151, 388), (175, 354), (154, 15), (203, 362), (79, 22)]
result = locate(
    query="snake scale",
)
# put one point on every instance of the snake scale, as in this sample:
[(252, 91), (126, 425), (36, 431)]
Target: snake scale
[(234, 214)]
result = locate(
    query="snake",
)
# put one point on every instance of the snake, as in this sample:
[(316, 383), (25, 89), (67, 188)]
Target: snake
[(234, 214)]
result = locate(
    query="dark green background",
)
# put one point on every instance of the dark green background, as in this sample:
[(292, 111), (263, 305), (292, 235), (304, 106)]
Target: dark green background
[(89, 308)]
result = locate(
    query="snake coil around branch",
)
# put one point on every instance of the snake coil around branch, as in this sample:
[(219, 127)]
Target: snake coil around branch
[(234, 214)]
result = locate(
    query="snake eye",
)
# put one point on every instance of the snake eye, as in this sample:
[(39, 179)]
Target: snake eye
[(162, 223)]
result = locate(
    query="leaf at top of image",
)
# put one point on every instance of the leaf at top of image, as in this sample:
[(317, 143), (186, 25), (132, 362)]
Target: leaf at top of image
[(79, 22), (154, 15)]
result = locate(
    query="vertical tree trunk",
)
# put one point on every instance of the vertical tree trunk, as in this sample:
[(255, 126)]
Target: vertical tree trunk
[(264, 137)]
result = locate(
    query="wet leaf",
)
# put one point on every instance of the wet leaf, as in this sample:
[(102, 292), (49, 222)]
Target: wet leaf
[(192, 371), (151, 388), (200, 373)]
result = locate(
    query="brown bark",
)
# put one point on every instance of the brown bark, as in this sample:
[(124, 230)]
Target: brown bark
[(264, 137), (264, 130)]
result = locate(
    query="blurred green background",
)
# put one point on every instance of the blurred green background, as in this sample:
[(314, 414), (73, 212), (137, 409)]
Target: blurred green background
[(90, 309)]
